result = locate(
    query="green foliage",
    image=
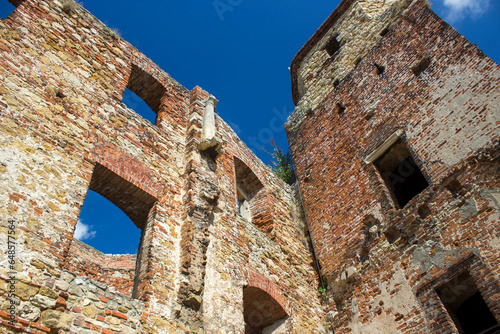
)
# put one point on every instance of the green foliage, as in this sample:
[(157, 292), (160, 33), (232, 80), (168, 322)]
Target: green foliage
[(322, 290), (282, 165)]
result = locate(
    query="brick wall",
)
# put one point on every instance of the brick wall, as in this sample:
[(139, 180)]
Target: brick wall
[(64, 130), (447, 116)]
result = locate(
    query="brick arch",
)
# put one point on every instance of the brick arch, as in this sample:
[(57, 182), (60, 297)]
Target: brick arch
[(126, 165), (257, 280)]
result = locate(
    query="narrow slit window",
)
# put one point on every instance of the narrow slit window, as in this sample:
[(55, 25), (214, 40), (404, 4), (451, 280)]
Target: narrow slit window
[(243, 206), (333, 46), (384, 32), (401, 174), (466, 306), (340, 109)]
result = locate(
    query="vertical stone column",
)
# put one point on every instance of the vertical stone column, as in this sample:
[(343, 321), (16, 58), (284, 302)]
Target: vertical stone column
[(208, 129), (209, 142)]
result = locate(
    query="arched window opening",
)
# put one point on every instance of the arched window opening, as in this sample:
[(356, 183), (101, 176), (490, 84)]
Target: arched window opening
[(105, 227), (143, 86), (252, 199), (113, 217), (262, 313)]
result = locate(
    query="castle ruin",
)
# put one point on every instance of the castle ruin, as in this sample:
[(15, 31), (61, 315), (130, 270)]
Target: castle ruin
[(395, 138)]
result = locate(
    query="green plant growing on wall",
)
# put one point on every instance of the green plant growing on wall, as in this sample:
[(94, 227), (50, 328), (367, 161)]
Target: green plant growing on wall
[(282, 164)]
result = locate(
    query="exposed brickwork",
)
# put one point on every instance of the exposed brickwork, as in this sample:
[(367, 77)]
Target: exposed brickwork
[(374, 254), (112, 270), (376, 73), (64, 130)]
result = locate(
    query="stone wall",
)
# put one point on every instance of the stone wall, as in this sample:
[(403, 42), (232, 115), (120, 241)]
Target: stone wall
[(64, 130), (425, 84), (116, 270)]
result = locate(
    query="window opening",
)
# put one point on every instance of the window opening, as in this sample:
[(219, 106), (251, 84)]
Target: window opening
[(384, 32), (401, 174), (105, 227), (252, 199), (243, 206), (340, 108), (132, 101), (454, 187), (262, 313), (357, 61), (108, 190), (466, 306), (147, 89), (424, 211), (332, 46), (379, 69), (420, 66)]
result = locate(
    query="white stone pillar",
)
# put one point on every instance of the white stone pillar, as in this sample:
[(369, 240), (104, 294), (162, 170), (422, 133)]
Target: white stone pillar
[(208, 129), (209, 142)]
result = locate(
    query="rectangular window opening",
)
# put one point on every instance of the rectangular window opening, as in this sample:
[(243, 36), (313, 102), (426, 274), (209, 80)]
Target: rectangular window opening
[(143, 94), (332, 46), (243, 206), (466, 306), (401, 174), (113, 217)]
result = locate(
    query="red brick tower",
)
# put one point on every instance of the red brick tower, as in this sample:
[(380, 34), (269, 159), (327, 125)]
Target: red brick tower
[(395, 137)]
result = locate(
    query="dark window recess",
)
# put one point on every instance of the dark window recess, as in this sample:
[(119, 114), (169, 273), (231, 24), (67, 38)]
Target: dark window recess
[(420, 66), (332, 46), (466, 306), (424, 211), (454, 187), (379, 69), (384, 32), (401, 173), (357, 61), (392, 234)]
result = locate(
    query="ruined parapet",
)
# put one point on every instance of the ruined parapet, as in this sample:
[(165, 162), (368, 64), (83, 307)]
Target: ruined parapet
[(337, 47)]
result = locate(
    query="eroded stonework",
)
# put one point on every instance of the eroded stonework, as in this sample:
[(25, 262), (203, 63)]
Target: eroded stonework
[(374, 71)]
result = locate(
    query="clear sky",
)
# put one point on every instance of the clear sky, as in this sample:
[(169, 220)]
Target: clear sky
[(239, 51)]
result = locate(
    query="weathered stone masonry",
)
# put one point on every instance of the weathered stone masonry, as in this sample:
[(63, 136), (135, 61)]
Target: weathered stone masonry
[(395, 137), (201, 266), (382, 84)]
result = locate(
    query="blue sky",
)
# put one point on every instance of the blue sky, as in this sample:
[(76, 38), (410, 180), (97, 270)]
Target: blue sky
[(240, 51)]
